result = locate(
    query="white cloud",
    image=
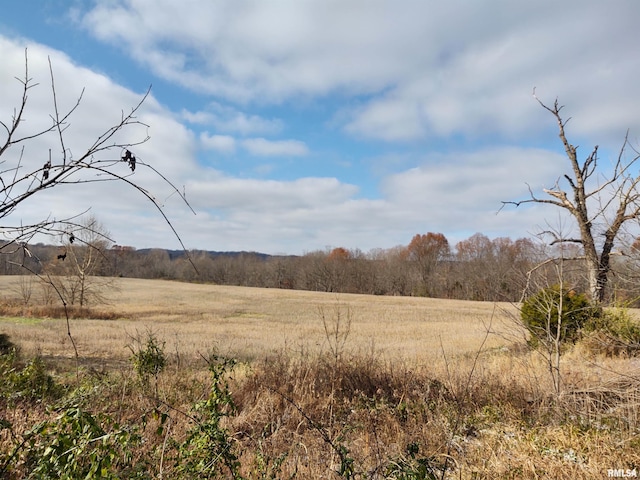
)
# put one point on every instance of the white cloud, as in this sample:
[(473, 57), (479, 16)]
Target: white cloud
[(198, 118), (279, 214), (268, 196), (257, 50), (457, 194), (464, 191), (388, 119), (220, 143), (229, 119), (423, 69), (286, 216), (264, 147)]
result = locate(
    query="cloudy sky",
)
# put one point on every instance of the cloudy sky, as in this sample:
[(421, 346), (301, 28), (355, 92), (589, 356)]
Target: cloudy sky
[(293, 126)]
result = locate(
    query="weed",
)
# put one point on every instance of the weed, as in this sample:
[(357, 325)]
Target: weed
[(267, 467), (6, 345), (31, 382), (148, 358), (78, 445), (337, 327), (209, 448), (412, 466)]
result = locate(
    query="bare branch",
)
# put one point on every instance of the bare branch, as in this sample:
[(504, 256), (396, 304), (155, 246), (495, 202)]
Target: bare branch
[(533, 199), (16, 120), (57, 121), (23, 183)]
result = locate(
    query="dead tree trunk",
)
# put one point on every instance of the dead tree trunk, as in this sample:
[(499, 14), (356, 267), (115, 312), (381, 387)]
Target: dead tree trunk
[(600, 208)]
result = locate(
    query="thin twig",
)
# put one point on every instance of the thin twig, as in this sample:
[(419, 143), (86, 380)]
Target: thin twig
[(459, 399)]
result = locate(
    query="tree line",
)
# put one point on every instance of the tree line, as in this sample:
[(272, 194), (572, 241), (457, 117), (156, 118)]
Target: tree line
[(477, 268)]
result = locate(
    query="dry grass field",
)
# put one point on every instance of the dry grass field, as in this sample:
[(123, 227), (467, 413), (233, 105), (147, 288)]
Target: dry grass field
[(254, 322), (330, 386)]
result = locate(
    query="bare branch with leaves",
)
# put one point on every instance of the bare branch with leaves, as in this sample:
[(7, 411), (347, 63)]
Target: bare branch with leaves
[(19, 182)]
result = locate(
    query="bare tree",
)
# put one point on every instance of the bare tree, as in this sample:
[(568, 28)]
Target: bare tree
[(110, 158), (81, 270), (102, 161), (600, 205)]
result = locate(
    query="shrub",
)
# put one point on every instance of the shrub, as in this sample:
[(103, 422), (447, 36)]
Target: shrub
[(613, 333), (540, 314), (413, 467), (32, 382), (6, 345), (148, 359), (78, 444)]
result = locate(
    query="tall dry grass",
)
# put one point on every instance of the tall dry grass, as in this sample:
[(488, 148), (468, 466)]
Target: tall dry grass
[(251, 323), (390, 384)]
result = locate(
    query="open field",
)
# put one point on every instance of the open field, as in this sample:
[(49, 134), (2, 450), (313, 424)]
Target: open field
[(254, 322), (327, 386)]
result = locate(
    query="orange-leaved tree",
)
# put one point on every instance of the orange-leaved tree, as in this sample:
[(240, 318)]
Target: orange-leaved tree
[(428, 251)]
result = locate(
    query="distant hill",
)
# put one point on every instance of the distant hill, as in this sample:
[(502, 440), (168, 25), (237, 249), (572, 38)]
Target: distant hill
[(173, 254)]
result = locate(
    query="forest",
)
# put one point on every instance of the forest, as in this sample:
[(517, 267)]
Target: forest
[(478, 268)]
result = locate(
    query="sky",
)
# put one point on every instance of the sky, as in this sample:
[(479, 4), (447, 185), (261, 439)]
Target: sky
[(293, 126)]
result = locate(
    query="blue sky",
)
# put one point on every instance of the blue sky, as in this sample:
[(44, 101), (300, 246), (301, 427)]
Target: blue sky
[(294, 126)]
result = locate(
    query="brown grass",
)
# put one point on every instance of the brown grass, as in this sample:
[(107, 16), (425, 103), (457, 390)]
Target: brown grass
[(411, 371), (254, 322)]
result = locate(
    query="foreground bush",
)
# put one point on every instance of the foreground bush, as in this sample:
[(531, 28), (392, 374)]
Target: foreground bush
[(26, 381), (319, 416), (77, 444), (6, 345)]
